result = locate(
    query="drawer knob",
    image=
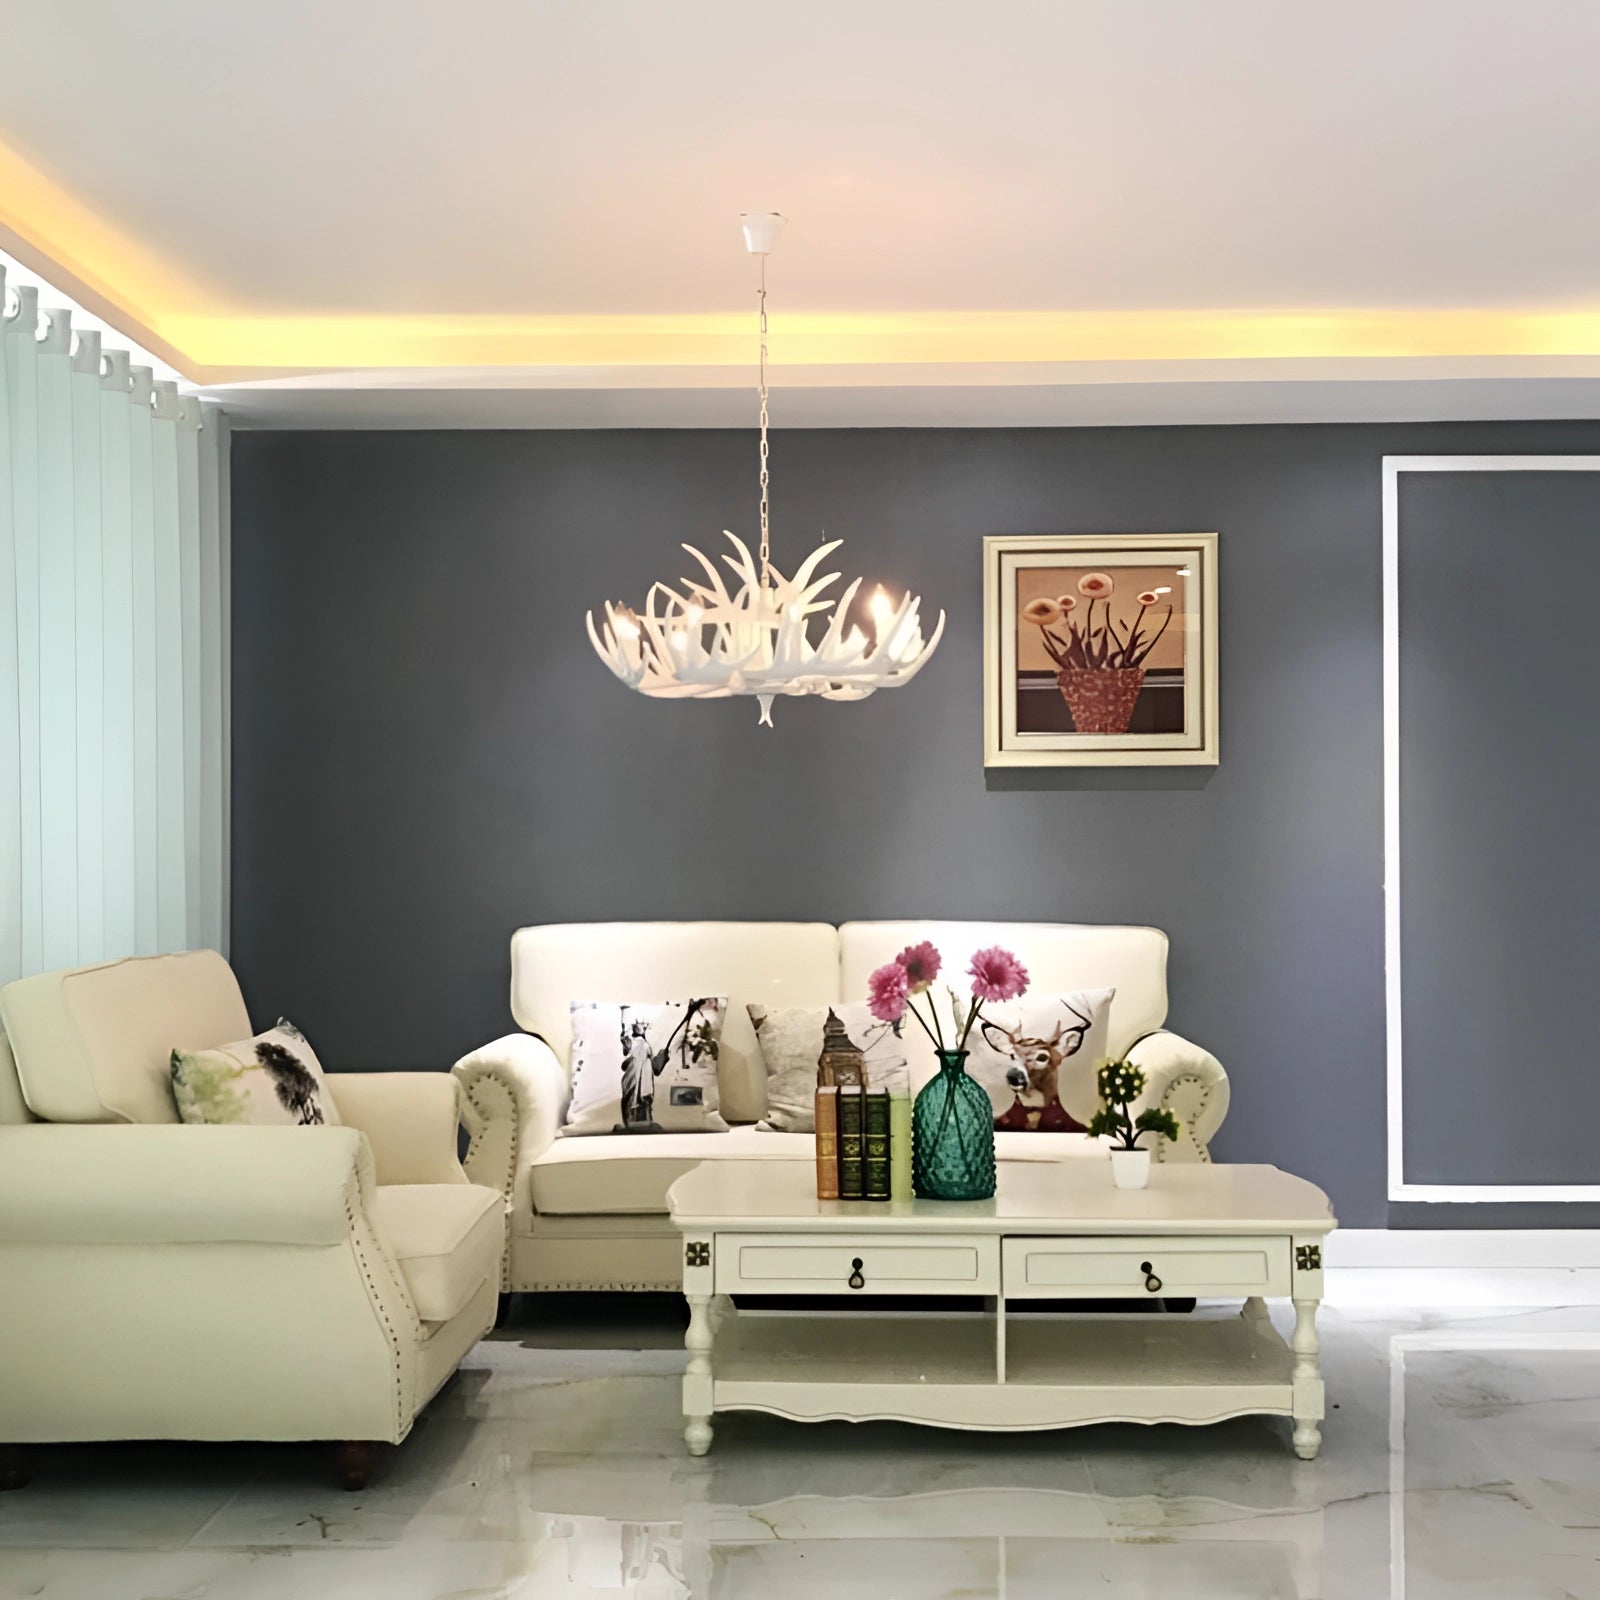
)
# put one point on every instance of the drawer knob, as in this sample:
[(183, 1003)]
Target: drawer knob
[(1151, 1281), (856, 1280)]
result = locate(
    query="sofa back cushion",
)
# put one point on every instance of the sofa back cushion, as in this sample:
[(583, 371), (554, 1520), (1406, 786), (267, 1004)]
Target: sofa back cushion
[(1059, 956), (94, 1044), (13, 1108), (771, 963)]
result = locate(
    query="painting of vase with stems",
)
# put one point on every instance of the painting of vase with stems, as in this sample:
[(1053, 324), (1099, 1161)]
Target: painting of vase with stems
[(1100, 660), (1100, 651)]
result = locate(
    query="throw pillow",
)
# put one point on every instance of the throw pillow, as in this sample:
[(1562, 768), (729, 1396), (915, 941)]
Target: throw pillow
[(1037, 1057), (645, 1068), (271, 1080), (793, 1037)]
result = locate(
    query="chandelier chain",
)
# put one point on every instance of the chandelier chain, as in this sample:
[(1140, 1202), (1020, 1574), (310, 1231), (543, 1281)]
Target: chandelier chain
[(766, 547)]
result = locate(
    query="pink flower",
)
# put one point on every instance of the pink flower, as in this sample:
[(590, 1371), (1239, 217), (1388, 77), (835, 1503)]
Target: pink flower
[(887, 992), (997, 974), (1148, 598), (1067, 602), (1041, 613), (921, 965), (1095, 585)]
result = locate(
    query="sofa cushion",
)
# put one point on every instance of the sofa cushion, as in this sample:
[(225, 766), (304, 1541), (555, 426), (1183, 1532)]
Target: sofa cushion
[(94, 1044), (774, 963), (1059, 956), (792, 1038), (1051, 1039), (447, 1238), (271, 1080), (622, 1173), (647, 1067)]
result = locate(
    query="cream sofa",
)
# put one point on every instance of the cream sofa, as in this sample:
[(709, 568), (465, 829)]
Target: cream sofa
[(591, 1213), (172, 1282)]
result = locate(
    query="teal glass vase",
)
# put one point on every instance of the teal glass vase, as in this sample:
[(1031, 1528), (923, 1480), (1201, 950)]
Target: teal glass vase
[(952, 1135)]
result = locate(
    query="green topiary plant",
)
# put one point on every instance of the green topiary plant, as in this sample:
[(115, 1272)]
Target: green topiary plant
[(1120, 1084)]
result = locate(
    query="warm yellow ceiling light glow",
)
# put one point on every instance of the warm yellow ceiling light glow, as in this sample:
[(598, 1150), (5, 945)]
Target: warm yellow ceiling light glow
[(49, 227), (882, 338), (155, 302)]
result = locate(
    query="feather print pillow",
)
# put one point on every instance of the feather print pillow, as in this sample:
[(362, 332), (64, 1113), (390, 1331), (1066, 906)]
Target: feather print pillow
[(272, 1080)]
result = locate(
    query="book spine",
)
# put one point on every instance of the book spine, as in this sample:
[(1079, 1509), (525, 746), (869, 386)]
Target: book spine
[(900, 1186), (875, 1184), (827, 1119), (851, 1136)]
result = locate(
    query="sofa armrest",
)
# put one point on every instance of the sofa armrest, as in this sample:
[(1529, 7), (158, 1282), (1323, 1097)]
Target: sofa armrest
[(114, 1184), (515, 1094), (1191, 1084), (409, 1118)]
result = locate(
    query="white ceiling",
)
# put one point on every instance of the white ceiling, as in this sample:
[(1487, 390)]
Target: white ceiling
[(564, 158)]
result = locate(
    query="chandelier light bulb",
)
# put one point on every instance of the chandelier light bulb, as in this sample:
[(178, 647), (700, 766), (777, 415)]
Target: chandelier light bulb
[(706, 641)]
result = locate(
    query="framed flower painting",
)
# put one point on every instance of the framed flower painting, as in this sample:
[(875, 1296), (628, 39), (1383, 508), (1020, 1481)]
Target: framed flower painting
[(1100, 650)]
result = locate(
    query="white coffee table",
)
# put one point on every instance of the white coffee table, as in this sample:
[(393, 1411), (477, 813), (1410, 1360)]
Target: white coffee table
[(1055, 1231)]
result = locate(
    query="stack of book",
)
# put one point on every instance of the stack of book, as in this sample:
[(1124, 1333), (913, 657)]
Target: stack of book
[(863, 1143)]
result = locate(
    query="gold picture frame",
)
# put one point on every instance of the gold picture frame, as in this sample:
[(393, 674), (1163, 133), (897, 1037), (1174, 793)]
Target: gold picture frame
[(1100, 650)]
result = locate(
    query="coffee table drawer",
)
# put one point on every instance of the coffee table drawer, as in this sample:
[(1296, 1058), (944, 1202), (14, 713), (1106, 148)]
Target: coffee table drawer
[(1143, 1269), (761, 1263)]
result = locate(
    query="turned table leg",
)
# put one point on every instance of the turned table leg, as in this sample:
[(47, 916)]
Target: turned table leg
[(706, 1310), (1308, 1388), (1307, 1381), (697, 1380)]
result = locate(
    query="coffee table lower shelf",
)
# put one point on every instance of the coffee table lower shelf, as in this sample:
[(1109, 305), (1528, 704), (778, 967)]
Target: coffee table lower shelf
[(1017, 1374)]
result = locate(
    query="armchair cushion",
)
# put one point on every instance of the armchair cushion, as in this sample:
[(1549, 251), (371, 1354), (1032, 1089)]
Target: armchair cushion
[(95, 1044), (273, 1080), (447, 1238)]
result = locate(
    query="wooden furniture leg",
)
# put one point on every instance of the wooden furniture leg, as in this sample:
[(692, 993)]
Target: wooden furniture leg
[(14, 1473), (352, 1463)]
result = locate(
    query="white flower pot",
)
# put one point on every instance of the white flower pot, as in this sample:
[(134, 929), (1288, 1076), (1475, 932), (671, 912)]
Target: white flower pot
[(1130, 1169)]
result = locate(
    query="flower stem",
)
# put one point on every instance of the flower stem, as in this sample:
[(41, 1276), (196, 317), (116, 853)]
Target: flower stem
[(937, 1042)]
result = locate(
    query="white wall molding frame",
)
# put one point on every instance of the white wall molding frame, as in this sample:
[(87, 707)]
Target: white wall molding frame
[(1399, 1187)]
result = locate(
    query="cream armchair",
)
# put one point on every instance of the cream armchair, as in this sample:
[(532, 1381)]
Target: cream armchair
[(163, 1281), (591, 1213)]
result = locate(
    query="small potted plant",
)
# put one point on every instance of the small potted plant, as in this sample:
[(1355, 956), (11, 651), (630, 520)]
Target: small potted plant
[(1120, 1084)]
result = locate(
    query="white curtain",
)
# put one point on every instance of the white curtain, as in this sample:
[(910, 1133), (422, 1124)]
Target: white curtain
[(113, 653)]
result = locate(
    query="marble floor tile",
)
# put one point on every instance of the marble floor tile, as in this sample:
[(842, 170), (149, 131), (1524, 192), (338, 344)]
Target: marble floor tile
[(1459, 1460)]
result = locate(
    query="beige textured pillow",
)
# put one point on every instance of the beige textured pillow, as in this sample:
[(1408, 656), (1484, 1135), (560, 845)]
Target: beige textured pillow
[(272, 1080), (790, 1038)]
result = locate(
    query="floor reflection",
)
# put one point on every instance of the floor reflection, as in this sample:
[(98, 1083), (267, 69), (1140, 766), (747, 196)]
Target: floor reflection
[(1459, 1461)]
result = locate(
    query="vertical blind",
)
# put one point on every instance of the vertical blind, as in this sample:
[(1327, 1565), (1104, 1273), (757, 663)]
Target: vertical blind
[(113, 652)]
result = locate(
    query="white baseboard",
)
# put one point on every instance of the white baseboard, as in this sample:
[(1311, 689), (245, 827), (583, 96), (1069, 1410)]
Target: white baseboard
[(1498, 1248)]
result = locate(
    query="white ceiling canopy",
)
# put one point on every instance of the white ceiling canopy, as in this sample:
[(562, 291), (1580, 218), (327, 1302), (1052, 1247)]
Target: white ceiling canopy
[(533, 196)]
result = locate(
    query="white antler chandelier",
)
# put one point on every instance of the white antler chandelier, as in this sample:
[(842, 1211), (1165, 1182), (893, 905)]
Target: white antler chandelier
[(705, 641)]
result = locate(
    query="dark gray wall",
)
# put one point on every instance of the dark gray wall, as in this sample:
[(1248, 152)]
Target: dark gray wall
[(1500, 870), (427, 753)]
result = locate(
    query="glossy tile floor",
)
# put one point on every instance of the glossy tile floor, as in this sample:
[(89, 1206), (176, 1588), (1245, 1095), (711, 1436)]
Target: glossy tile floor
[(1461, 1460)]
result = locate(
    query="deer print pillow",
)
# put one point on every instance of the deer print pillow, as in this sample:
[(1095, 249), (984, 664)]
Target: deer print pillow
[(645, 1068), (1037, 1057), (271, 1080)]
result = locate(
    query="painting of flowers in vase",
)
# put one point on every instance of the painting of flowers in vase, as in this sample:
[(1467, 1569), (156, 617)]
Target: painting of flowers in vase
[(1100, 650)]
